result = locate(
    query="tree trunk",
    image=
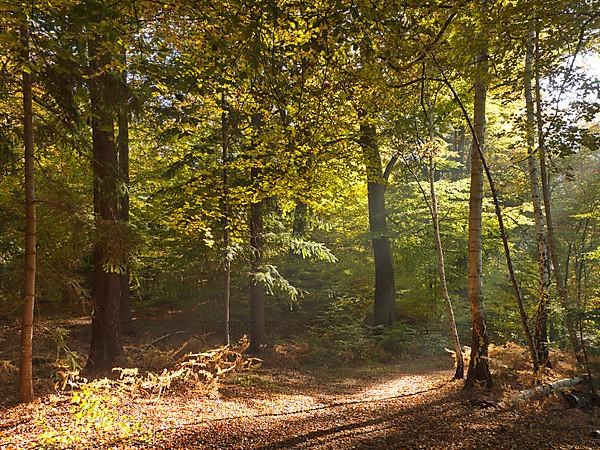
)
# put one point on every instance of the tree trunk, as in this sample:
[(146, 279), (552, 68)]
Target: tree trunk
[(257, 294), (552, 242), (225, 225), (123, 148), (478, 147), (459, 372), (385, 289), (541, 329), (479, 370), (26, 370), (106, 284)]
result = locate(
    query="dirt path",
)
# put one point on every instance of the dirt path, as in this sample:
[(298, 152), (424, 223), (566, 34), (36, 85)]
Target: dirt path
[(393, 409), (412, 405)]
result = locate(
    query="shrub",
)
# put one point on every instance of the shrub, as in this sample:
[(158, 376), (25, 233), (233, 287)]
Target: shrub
[(401, 339), (340, 334)]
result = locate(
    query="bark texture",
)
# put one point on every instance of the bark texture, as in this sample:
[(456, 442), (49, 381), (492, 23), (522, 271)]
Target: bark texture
[(300, 219)]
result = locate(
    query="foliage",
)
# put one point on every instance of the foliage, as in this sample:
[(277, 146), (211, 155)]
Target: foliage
[(340, 335), (233, 104), (95, 406), (403, 340), (94, 420)]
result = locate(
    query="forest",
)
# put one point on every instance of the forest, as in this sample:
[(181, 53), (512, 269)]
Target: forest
[(299, 224)]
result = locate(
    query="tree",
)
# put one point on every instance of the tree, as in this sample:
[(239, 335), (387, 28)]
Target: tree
[(431, 148), (552, 241), (479, 370), (106, 283), (441, 266), (225, 222), (385, 290), (123, 157), (26, 371), (541, 332), (257, 292)]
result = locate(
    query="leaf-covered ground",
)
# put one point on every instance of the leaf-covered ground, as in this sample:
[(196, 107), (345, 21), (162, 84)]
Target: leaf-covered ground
[(409, 404)]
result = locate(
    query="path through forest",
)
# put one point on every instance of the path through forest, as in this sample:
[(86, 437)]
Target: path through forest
[(405, 405), (396, 408)]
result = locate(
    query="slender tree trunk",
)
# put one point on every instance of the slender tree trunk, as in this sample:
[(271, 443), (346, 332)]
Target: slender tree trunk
[(552, 242), (225, 224), (478, 147), (441, 266), (226, 297), (541, 327), (385, 289), (479, 370), (257, 294), (26, 371), (123, 148), (481, 374), (106, 285)]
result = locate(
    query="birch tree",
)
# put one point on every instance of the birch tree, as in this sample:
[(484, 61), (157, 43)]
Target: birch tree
[(479, 370)]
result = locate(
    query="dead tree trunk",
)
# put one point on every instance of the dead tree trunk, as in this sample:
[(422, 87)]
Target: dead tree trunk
[(540, 391)]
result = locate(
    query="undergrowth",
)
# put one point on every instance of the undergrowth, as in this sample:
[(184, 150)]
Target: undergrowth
[(97, 409), (341, 335)]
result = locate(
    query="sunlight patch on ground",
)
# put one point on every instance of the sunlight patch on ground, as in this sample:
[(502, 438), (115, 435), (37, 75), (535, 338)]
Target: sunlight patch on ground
[(283, 404), (405, 384)]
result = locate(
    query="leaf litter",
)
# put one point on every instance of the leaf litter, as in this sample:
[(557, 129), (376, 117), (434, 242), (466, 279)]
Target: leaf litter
[(405, 404)]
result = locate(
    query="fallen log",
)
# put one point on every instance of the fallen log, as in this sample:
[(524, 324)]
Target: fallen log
[(541, 391)]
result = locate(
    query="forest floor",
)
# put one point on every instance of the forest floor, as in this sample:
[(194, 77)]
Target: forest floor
[(410, 403)]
